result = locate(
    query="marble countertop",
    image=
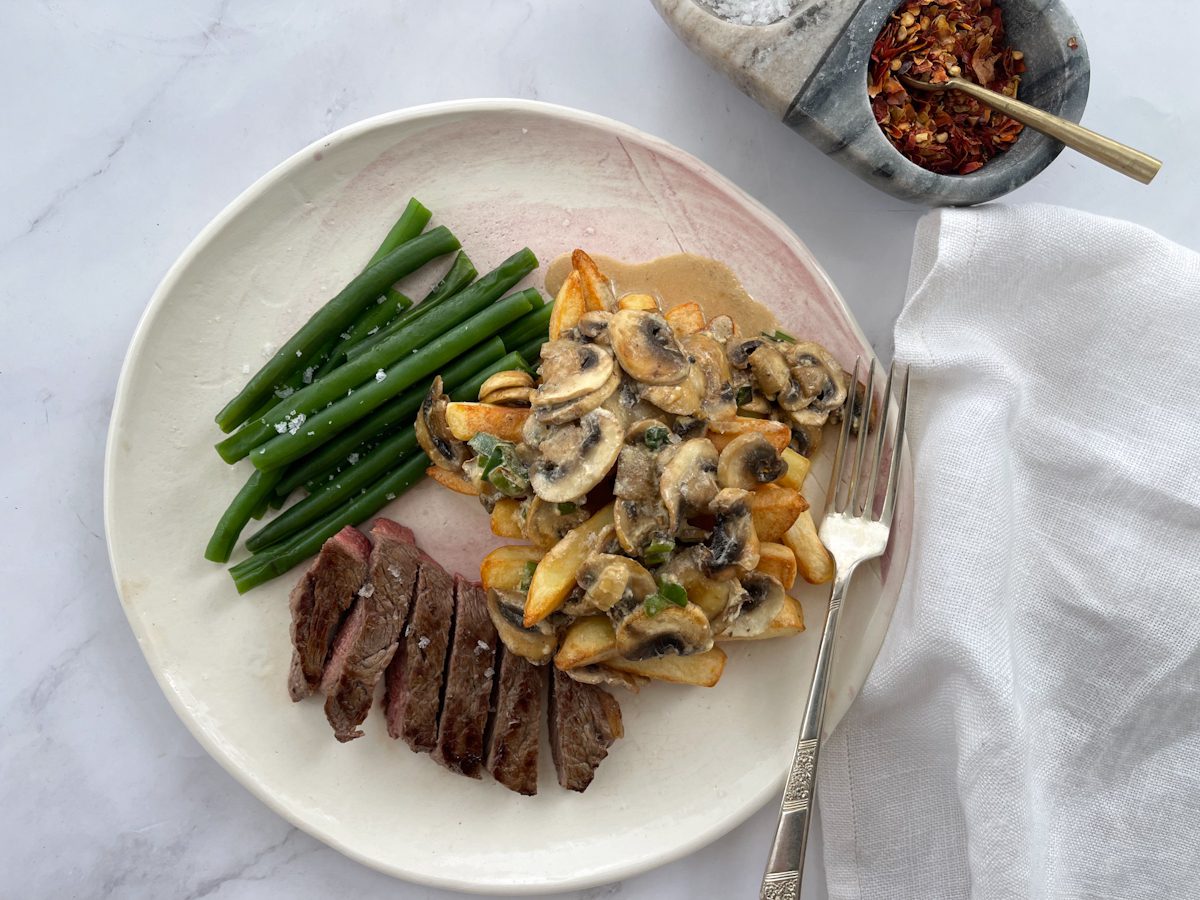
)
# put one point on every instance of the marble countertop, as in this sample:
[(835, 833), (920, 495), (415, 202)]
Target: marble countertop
[(129, 126)]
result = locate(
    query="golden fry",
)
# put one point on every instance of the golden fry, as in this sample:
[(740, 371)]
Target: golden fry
[(779, 561), (722, 431), (812, 559), (455, 481), (506, 567), (798, 469), (506, 518), (555, 575), (638, 301), (787, 622), (774, 509), (597, 290), (700, 669), (588, 640), (469, 419), (686, 318), (569, 306)]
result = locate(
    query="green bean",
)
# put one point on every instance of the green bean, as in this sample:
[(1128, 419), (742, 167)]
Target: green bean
[(532, 351), (333, 318), (262, 567), (411, 223), (462, 273), (303, 435), (373, 321), (343, 380), (256, 489), (527, 327), (395, 412), (369, 467)]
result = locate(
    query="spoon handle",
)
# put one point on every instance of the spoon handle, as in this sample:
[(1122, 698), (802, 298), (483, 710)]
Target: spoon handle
[(1113, 154)]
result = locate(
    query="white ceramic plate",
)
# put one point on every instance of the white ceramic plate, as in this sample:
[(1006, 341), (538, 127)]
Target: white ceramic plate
[(502, 174)]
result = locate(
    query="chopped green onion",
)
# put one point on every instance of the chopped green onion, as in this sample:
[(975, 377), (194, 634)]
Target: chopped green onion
[(565, 509), (527, 578), (780, 335), (656, 436), (655, 604), (658, 552), (744, 395), (674, 592), (483, 444)]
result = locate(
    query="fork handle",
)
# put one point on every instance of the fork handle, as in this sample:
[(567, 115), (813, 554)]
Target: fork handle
[(785, 866)]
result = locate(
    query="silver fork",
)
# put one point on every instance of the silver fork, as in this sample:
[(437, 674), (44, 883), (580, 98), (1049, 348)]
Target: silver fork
[(853, 534)]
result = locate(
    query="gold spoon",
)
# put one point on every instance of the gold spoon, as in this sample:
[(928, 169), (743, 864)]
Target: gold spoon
[(1113, 154)]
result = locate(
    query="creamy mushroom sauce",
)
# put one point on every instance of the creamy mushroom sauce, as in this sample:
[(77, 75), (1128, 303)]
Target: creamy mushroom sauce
[(681, 278)]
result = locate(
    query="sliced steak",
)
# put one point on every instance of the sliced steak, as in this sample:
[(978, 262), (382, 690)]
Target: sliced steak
[(585, 720), (367, 641), (417, 671), (468, 682), (318, 603), (512, 751)]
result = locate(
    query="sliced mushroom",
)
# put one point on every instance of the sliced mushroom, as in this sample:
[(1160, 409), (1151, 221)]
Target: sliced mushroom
[(808, 430), (574, 458), (721, 328), (714, 597), (545, 524), (512, 386), (757, 405), (732, 546), (819, 376), (682, 399), (593, 326), (686, 428), (719, 400), (761, 600), (748, 461), (608, 579), (646, 347), (581, 406), (598, 673), (433, 432), (639, 524), (682, 630), (507, 612), (739, 351), (571, 370), (688, 480), (770, 370)]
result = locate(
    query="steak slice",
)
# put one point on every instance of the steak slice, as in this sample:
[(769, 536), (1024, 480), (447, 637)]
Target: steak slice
[(468, 682), (585, 720), (318, 603), (512, 753), (367, 641), (417, 671)]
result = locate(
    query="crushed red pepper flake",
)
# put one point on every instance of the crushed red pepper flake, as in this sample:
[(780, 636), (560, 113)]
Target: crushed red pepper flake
[(947, 132)]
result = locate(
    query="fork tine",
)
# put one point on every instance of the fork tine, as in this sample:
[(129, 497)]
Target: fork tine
[(889, 503), (864, 431), (877, 459), (839, 456)]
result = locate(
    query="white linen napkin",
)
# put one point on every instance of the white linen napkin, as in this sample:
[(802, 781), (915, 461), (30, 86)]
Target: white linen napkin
[(1032, 725)]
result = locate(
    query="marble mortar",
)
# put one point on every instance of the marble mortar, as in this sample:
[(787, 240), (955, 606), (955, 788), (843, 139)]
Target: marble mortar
[(809, 68)]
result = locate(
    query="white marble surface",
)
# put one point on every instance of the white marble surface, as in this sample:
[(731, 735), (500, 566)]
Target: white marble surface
[(128, 126)]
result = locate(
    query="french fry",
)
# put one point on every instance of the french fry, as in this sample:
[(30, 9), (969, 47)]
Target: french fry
[(597, 290), (555, 575), (505, 567), (812, 559), (455, 481), (588, 640), (778, 561), (700, 669), (506, 519), (569, 306), (787, 622), (797, 469), (469, 419), (686, 318), (638, 301), (722, 431), (774, 509)]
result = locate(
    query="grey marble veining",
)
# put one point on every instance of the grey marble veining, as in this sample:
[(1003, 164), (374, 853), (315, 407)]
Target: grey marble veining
[(817, 58)]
